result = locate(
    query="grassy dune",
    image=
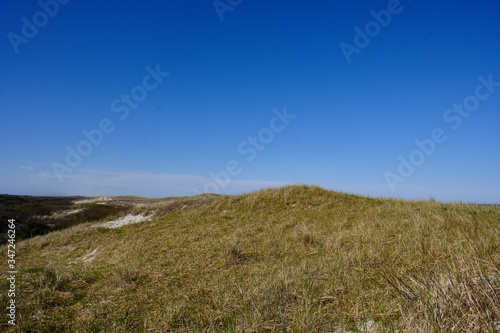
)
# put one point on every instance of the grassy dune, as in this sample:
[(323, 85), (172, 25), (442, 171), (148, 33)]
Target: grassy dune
[(292, 259)]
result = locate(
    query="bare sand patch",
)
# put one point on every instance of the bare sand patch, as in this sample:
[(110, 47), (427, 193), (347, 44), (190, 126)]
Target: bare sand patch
[(67, 212), (89, 257), (127, 219), (99, 199)]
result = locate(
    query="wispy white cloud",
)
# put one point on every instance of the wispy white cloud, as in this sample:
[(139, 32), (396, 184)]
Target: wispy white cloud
[(27, 167), (142, 183), (97, 182)]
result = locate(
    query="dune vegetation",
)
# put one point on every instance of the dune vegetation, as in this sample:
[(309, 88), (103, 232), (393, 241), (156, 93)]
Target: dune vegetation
[(289, 259)]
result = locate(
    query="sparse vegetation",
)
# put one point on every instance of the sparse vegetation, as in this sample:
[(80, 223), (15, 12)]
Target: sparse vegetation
[(292, 259), (40, 215)]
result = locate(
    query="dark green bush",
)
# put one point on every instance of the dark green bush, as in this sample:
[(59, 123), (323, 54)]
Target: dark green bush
[(31, 229)]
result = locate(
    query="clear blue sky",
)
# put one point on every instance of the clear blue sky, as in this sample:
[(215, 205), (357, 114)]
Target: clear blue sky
[(227, 82)]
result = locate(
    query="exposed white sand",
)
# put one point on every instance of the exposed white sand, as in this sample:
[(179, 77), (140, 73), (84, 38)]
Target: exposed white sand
[(86, 258), (127, 219), (67, 212), (90, 256), (100, 199)]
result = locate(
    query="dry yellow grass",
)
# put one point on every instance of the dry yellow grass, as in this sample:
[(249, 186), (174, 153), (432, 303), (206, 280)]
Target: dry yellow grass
[(292, 259)]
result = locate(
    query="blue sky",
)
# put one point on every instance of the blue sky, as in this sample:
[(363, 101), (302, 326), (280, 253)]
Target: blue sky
[(238, 70)]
